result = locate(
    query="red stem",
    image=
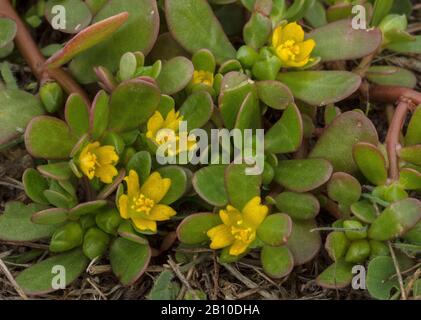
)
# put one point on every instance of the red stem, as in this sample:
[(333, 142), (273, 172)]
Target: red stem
[(33, 55), (405, 105)]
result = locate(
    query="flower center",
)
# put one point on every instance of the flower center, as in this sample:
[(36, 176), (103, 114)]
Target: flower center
[(241, 232), (89, 161), (288, 50), (204, 77), (142, 205)]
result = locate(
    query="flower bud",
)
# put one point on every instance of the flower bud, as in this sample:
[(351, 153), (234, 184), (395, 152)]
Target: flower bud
[(392, 25), (52, 96), (95, 243), (358, 251), (67, 237), (247, 56), (354, 235), (108, 220)]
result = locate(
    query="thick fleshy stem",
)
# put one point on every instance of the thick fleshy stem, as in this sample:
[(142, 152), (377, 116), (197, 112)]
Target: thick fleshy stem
[(33, 55), (405, 105)]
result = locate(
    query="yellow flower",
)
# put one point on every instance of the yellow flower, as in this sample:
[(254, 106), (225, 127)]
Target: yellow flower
[(239, 228), (162, 131), (204, 77), (290, 47), (141, 204), (97, 161)]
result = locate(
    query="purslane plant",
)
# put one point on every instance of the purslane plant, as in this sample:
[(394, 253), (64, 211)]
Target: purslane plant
[(97, 129)]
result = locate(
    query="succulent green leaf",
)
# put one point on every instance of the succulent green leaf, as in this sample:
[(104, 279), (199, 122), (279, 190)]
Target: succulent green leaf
[(193, 229), (8, 31), (17, 108), (204, 60), (197, 109), (391, 76), (337, 276), (209, 183), (86, 208), (164, 287), (99, 114), (410, 179), (77, 115), (241, 187), (303, 175), (95, 243), (275, 229), (320, 88), (139, 33), (358, 252), (35, 185), (78, 15), (336, 245), (274, 94), (380, 10), (337, 142), (413, 133), (396, 220), (364, 211), (191, 22), (16, 224), (257, 30), (50, 216), (286, 134), (108, 220), (411, 154), (340, 41), (56, 171), (126, 231), (301, 206), (316, 14), (132, 104), (49, 138), (277, 262), (87, 39), (175, 75), (249, 114), (414, 235), (39, 278), (66, 237), (179, 183), (408, 46), (379, 278), (371, 162), (234, 89), (141, 162), (344, 189), (304, 243), (129, 260)]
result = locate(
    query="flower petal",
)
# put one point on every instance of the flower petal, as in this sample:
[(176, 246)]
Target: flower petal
[(292, 31), (123, 202), (132, 181), (238, 247), (277, 36), (161, 212), (106, 173), (306, 48), (106, 155), (155, 123), (220, 236), (254, 212), (155, 187), (172, 121), (230, 215), (144, 225)]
